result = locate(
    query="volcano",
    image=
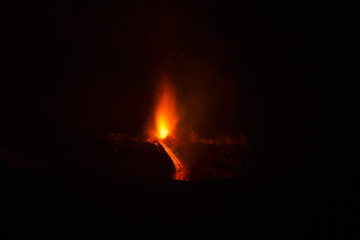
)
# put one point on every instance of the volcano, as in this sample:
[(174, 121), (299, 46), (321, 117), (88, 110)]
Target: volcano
[(203, 160)]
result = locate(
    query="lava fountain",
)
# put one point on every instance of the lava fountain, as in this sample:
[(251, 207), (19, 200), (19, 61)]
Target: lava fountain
[(166, 119)]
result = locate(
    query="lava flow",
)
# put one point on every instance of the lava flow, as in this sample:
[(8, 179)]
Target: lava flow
[(166, 118), (180, 173)]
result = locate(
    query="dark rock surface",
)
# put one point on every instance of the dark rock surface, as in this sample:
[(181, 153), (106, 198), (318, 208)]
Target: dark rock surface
[(96, 154), (204, 161)]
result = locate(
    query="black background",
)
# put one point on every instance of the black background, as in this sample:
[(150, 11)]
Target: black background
[(281, 73)]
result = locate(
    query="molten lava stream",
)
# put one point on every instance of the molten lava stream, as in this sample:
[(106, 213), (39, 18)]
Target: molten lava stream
[(180, 173)]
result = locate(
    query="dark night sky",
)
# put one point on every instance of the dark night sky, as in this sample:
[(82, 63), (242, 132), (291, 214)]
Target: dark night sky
[(269, 70)]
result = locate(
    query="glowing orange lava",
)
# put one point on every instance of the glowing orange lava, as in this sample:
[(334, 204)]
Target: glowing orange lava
[(166, 118), (180, 173)]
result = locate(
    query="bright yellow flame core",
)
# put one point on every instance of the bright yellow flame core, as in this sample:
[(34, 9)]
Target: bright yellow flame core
[(163, 133)]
